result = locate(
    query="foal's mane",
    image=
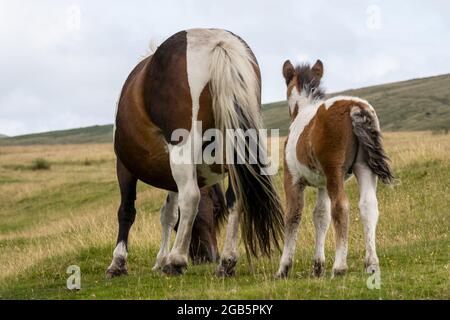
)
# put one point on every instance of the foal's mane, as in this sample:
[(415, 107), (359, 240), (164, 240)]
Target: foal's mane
[(309, 82)]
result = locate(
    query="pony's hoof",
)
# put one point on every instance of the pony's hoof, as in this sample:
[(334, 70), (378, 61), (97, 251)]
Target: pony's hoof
[(373, 268), (173, 270), (159, 264), (318, 269), (281, 275), (338, 272), (156, 268), (117, 268), (226, 268), (116, 272)]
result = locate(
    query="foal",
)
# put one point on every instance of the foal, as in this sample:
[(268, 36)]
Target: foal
[(328, 141)]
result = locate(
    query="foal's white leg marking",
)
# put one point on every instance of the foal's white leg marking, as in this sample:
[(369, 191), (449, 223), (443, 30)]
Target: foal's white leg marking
[(322, 218), (368, 206), (168, 218), (292, 223), (120, 255), (340, 259), (290, 242)]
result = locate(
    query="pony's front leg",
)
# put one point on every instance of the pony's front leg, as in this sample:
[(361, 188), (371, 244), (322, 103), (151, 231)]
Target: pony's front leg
[(126, 216), (168, 218), (322, 218), (294, 207), (230, 254)]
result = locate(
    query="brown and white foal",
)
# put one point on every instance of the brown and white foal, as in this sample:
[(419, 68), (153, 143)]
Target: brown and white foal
[(328, 141)]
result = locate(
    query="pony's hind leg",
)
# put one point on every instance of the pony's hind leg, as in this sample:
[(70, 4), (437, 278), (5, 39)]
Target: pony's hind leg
[(368, 207), (340, 213), (322, 218), (294, 208), (168, 218), (126, 215), (230, 249), (185, 175)]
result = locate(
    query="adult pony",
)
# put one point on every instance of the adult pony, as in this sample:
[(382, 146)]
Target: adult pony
[(328, 141), (198, 76)]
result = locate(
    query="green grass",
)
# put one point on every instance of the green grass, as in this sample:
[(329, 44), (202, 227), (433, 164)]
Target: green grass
[(422, 278), (413, 105), (52, 219)]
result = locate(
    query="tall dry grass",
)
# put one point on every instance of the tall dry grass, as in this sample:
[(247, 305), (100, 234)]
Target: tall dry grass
[(66, 230)]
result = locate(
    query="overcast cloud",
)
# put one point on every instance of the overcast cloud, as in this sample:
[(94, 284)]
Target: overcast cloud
[(62, 63)]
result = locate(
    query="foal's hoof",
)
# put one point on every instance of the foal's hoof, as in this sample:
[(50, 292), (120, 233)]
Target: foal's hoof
[(226, 268), (173, 270), (318, 269)]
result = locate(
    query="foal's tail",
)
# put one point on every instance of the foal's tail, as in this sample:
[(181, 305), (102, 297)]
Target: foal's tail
[(235, 89), (367, 129)]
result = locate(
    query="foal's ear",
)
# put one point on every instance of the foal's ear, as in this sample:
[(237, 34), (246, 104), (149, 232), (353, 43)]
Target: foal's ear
[(317, 69), (288, 71)]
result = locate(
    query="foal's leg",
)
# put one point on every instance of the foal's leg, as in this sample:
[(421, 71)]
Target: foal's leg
[(126, 215), (368, 206), (294, 208), (168, 218), (230, 249), (339, 211), (322, 218)]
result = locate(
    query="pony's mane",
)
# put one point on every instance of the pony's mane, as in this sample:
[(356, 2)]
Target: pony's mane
[(307, 81)]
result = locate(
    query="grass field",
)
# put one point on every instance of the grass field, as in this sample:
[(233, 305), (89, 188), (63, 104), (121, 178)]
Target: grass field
[(65, 215)]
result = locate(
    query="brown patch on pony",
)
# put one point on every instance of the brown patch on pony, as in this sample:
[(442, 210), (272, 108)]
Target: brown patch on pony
[(167, 85), (328, 140), (138, 142), (334, 143)]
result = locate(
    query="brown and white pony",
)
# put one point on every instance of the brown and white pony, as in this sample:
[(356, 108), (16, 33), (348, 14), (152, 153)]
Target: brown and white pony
[(329, 139), (198, 76)]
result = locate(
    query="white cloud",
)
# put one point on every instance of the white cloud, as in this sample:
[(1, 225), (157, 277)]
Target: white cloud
[(59, 70)]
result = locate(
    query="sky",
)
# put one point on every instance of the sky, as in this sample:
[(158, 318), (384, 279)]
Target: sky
[(63, 63)]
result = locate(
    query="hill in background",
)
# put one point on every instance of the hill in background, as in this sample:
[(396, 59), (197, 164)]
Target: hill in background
[(413, 105), (93, 134)]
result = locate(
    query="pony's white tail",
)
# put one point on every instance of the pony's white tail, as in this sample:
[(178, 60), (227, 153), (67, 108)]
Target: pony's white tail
[(235, 89)]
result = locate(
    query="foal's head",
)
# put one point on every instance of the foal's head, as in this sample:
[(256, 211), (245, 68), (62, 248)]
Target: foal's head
[(303, 84)]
